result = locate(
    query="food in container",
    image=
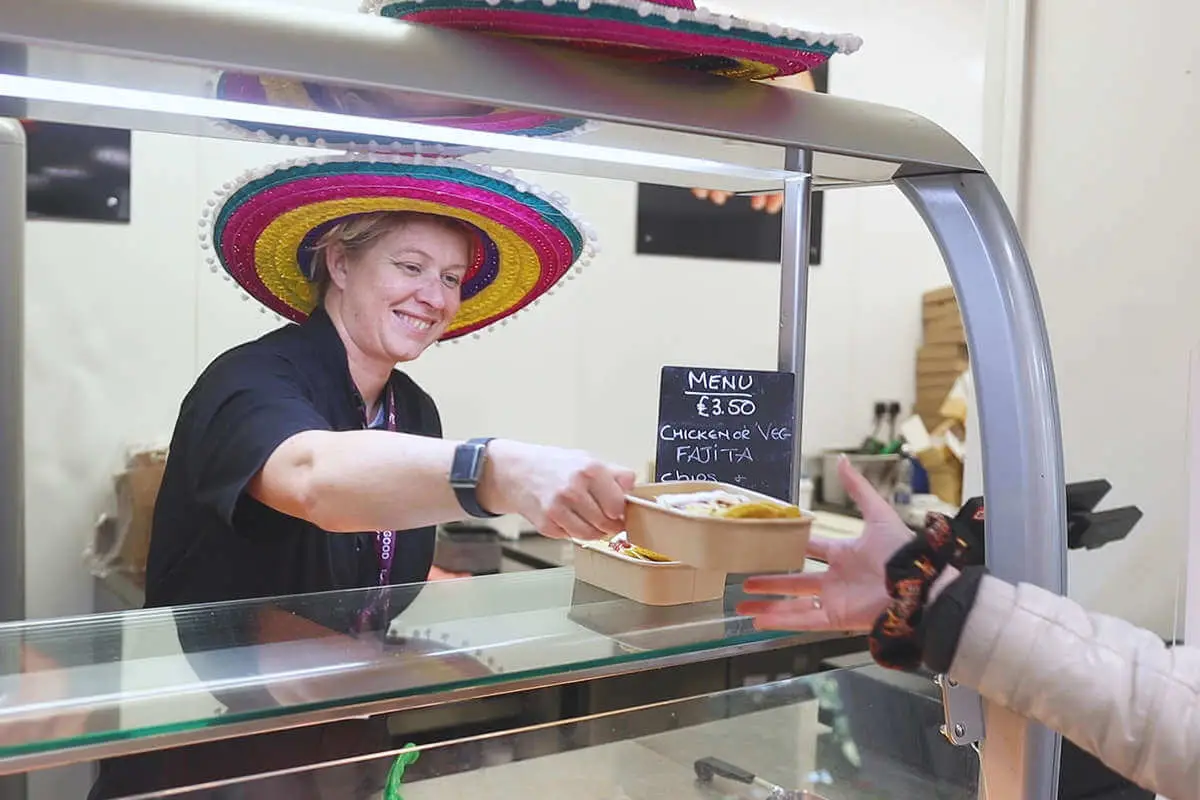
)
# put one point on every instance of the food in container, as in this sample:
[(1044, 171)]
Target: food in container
[(644, 575), (728, 505), (621, 544), (715, 526)]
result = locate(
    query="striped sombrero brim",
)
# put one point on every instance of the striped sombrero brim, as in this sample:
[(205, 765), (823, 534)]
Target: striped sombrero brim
[(261, 229), (636, 30), (308, 95)]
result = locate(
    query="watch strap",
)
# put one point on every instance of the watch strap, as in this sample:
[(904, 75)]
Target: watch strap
[(465, 472)]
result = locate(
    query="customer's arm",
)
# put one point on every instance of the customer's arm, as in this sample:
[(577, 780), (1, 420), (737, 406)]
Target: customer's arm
[(1110, 687)]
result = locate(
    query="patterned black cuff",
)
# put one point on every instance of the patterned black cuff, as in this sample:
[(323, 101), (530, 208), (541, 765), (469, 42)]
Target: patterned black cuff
[(895, 640), (942, 624)]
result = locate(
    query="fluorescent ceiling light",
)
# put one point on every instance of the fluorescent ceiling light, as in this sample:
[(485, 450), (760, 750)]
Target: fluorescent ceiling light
[(87, 94)]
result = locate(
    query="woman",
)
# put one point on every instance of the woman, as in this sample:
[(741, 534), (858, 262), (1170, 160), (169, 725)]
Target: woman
[(1113, 689), (305, 462)]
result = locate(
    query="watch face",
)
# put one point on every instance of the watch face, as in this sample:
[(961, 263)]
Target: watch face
[(468, 463)]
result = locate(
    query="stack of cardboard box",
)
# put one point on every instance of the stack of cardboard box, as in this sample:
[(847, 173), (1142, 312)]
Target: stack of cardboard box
[(942, 357), (941, 362), (137, 491), (122, 540)]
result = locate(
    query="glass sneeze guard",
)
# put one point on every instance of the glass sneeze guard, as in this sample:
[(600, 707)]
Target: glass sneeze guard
[(135, 94), (156, 672)]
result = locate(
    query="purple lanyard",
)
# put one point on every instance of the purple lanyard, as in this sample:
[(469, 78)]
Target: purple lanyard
[(385, 541)]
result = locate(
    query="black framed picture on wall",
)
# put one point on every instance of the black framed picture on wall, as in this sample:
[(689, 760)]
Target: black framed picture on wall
[(698, 223), (77, 172)]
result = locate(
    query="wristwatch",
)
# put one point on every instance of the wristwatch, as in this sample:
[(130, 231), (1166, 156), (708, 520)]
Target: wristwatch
[(465, 472)]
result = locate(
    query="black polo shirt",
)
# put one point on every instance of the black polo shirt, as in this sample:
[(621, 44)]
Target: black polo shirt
[(211, 541)]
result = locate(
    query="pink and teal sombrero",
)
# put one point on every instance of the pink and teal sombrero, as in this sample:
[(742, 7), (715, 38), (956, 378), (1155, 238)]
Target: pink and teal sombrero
[(403, 106), (262, 229), (657, 31)]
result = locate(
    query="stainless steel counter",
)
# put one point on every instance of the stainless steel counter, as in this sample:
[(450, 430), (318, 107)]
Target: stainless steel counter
[(788, 743), (819, 733), (780, 744)]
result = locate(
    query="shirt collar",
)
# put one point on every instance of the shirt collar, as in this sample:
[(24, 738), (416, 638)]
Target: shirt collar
[(330, 350)]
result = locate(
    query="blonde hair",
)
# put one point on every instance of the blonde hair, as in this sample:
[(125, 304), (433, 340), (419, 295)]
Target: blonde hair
[(360, 231)]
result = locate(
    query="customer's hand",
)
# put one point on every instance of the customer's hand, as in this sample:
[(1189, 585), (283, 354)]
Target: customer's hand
[(851, 594), (563, 493)]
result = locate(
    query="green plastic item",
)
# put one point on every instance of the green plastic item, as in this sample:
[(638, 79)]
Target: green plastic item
[(396, 774), (871, 447)]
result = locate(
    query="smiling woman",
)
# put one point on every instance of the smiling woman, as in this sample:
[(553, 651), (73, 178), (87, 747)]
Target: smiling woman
[(304, 461), (311, 430)]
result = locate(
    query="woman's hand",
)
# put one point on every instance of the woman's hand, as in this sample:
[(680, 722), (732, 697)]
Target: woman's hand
[(43, 691), (563, 493), (851, 594), (438, 574), (771, 202)]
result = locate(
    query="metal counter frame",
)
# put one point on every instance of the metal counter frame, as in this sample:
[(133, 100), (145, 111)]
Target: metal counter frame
[(1018, 412)]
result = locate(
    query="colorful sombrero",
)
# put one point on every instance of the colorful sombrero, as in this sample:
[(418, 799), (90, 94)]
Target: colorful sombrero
[(658, 31), (407, 107), (262, 229)]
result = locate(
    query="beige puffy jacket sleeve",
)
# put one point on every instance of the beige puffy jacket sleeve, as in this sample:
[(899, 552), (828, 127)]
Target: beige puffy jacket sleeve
[(1110, 687)]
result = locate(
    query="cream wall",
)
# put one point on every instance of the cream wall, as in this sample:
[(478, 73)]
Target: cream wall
[(1110, 224)]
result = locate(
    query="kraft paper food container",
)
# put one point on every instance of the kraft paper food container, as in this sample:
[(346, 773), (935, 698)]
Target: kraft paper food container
[(712, 543), (647, 582)]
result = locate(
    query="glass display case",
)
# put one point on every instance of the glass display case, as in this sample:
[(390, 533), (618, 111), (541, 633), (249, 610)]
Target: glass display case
[(848, 734), (530, 682), (125, 681)]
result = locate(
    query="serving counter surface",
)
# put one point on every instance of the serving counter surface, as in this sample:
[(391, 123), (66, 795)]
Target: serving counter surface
[(138, 680)]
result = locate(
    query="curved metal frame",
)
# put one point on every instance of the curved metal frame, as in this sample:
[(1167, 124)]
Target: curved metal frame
[(1018, 419)]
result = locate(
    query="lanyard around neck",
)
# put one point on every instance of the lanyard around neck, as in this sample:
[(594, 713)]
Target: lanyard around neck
[(385, 541)]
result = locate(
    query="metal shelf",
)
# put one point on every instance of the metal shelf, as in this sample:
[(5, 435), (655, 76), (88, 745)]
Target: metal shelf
[(851, 140)]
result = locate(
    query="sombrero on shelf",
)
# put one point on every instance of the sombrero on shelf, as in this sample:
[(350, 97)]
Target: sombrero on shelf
[(262, 229), (658, 31), (379, 104)]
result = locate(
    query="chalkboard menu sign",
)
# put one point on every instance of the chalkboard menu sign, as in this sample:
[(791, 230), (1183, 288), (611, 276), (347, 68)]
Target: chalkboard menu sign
[(731, 426)]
